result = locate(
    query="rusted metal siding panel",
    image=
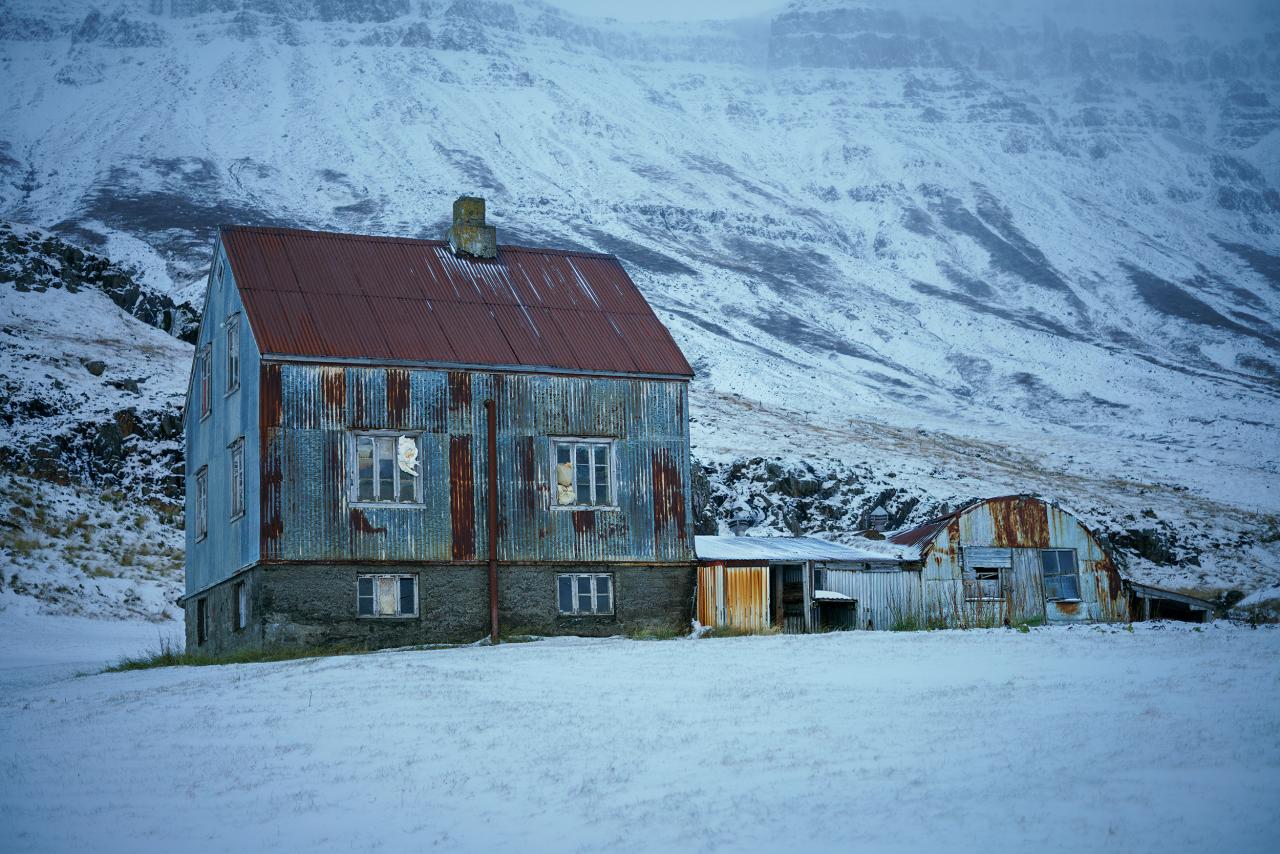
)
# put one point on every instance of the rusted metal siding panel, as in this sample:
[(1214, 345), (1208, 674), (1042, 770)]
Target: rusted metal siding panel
[(733, 596), (331, 295), (887, 598), (317, 406)]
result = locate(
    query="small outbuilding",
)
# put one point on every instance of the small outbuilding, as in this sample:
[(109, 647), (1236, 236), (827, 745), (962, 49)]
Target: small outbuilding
[(801, 584)]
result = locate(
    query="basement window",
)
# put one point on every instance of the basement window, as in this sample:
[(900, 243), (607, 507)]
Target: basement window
[(584, 595), (240, 606), (387, 595), (206, 380), (385, 468), (202, 503), (1060, 580), (982, 583), (233, 353), (237, 478), (583, 472)]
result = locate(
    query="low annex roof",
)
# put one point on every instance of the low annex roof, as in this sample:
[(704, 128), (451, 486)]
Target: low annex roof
[(783, 549), (348, 296)]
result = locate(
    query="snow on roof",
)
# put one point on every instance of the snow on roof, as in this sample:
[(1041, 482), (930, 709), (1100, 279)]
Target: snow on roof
[(782, 549), (831, 596)]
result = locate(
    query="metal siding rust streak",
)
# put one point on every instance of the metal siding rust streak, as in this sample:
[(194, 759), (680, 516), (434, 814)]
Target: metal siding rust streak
[(397, 382), (706, 599), (272, 475), (333, 391), (462, 498), (1018, 522), (746, 596)]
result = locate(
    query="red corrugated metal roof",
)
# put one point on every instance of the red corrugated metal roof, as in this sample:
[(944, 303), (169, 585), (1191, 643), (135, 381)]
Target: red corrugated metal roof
[(921, 533), (351, 296)]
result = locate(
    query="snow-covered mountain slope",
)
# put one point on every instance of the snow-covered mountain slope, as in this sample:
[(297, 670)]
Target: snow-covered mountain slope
[(985, 250)]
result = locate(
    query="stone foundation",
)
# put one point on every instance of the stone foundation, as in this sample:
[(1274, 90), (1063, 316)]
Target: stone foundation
[(314, 604)]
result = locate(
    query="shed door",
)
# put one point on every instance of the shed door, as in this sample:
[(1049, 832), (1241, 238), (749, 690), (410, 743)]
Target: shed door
[(792, 598), (1026, 595)]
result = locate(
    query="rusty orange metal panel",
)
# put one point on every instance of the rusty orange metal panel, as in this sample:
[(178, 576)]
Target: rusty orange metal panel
[(746, 597), (707, 585), (462, 498)]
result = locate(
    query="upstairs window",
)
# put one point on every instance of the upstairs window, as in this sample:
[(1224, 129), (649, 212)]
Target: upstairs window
[(387, 595), (237, 478), (233, 353), (202, 503), (1060, 579), (584, 473), (385, 468), (581, 594), (206, 381)]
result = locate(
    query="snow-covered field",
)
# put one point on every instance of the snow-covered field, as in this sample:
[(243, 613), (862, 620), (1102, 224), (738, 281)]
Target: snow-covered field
[(1063, 739)]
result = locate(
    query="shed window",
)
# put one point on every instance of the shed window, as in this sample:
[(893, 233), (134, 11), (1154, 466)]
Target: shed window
[(385, 468), (583, 473), (387, 595), (237, 478), (240, 602), (202, 620), (206, 380), (983, 583), (1060, 580), (202, 503), (585, 594), (233, 353)]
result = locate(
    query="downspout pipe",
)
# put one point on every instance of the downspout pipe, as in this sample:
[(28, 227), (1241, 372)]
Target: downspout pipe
[(491, 416)]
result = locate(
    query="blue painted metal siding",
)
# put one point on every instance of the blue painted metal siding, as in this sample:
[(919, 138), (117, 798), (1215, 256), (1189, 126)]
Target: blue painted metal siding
[(309, 410), (230, 544)]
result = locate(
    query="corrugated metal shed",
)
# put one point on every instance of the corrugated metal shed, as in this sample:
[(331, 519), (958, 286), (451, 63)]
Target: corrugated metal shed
[(797, 549), (346, 296)]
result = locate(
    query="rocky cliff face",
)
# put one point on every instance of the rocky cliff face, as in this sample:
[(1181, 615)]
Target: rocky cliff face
[(989, 249)]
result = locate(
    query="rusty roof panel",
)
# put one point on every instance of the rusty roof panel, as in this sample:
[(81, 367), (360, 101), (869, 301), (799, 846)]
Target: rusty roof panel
[(331, 295)]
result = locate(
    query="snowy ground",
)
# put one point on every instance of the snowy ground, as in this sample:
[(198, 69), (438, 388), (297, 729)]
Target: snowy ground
[(1058, 740)]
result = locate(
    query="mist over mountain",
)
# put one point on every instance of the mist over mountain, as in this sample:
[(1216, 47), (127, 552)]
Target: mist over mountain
[(987, 246)]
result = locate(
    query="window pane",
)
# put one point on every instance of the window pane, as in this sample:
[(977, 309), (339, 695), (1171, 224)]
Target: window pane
[(602, 474), (584, 474), (364, 469), (386, 468), (408, 482), (1067, 561), (564, 452), (604, 597), (1048, 562), (1051, 587), (386, 595), (408, 597), (365, 586), (564, 593), (584, 594)]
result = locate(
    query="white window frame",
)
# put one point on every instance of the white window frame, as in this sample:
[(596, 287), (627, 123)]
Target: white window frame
[(376, 580), (233, 353), (1075, 573), (592, 442), (240, 600), (353, 469), (202, 503), (593, 590), (237, 478), (206, 381)]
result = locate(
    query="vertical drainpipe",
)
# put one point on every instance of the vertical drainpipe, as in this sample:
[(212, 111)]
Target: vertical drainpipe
[(491, 415)]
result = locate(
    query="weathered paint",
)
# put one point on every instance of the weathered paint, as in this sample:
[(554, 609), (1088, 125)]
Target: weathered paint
[(231, 544), (305, 452), (886, 596), (734, 596), (1025, 525)]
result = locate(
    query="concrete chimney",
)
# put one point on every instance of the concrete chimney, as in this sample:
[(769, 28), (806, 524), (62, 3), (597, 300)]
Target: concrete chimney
[(469, 235)]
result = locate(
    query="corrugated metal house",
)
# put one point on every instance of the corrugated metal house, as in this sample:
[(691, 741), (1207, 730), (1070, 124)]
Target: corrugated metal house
[(378, 426)]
